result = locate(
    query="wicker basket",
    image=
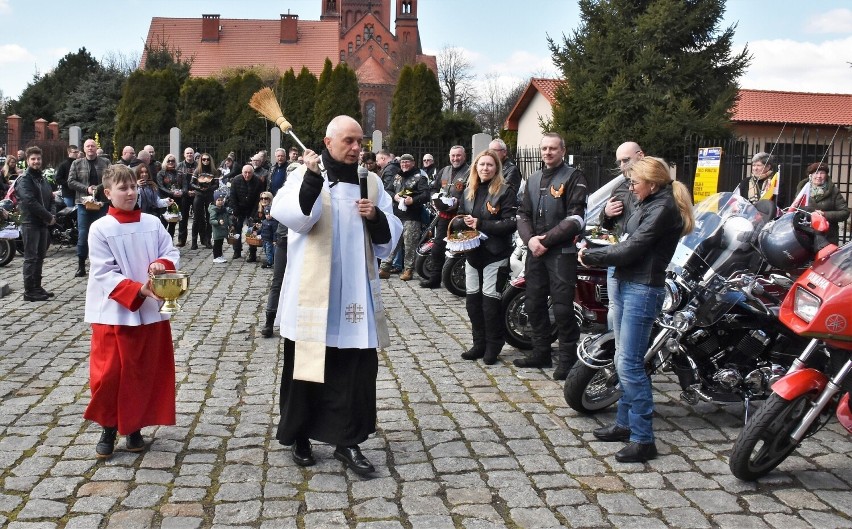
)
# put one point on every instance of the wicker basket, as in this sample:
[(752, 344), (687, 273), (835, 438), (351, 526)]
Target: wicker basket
[(171, 218), (232, 238), (461, 241), (254, 241), (93, 205)]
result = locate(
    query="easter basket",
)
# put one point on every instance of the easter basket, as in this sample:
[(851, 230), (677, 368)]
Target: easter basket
[(461, 240)]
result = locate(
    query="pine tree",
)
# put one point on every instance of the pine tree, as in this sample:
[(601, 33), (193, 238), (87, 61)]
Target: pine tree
[(147, 107), (247, 128), (402, 104), (303, 112), (198, 109), (653, 71), (427, 120), (319, 99), (339, 96)]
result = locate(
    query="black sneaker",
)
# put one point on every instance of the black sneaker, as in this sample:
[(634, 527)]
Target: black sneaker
[(135, 442), (636, 453), (106, 444)]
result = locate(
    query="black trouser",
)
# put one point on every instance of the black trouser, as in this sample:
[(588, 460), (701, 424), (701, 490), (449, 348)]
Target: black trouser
[(439, 249), (217, 247), (201, 219), (278, 269), (36, 240), (238, 229), (554, 274), (185, 202)]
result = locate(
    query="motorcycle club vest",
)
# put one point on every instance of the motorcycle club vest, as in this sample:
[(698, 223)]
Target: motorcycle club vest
[(490, 210), (548, 205)]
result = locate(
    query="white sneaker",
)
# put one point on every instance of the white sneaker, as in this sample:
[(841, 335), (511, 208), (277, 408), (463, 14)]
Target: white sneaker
[(219, 260)]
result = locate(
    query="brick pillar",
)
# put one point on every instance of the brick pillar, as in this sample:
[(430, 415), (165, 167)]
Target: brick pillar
[(13, 123), (53, 128), (40, 129)]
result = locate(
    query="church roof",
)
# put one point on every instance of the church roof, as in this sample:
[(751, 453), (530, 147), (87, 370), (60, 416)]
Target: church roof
[(801, 108), (247, 42), (372, 72)]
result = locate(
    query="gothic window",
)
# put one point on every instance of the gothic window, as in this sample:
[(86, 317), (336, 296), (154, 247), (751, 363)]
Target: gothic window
[(342, 56), (405, 38), (386, 47), (379, 39), (368, 31), (406, 7), (357, 40), (370, 117), (350, 47)]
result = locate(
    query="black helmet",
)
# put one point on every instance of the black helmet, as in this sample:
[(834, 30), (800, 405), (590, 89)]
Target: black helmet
[(787, 243), (7, 204)]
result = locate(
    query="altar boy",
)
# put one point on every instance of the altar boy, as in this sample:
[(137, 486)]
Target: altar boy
[(131, 364)]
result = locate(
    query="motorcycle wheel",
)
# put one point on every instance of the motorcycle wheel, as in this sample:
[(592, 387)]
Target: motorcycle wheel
[(515, 320), (424, 265), (590, 390), (7, 251), (764, 442), (453, 275)]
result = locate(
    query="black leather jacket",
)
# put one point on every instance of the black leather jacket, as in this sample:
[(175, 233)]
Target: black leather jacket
[(628, 201), (647, 244), (35, 199), (497, 220)]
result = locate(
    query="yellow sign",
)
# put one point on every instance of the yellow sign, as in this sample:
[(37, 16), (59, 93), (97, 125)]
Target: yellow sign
[(706, 173)]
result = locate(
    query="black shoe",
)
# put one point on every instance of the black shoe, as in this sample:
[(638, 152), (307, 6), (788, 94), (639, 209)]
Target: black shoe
[(612, 433), (251, 259), (181, 244), (266, 331), (352, 457), (208, 245), (491, 354), (106, 444), (45, 292), (237, 255), (303, 455), (534, 361), (135, 442), (636, 453), (427, 283), (35, 296), (81, 271), (193, 247), (266, 265), (562, 370), (474, 353)]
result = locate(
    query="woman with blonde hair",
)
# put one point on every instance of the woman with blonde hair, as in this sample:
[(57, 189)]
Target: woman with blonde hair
[(489, 207), (661, 215)]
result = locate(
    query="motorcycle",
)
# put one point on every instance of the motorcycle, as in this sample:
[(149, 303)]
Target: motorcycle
[(64, 232), (818, 384), (718, 330), (8, 233)]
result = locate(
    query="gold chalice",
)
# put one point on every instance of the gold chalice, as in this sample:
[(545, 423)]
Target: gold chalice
[(170, 286)]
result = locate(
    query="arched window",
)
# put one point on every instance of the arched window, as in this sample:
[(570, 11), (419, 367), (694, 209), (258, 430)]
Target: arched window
[(368, 31), (350, 48), (357, 40), (386, 48), (370, 117), (379, 39), (342, 56)]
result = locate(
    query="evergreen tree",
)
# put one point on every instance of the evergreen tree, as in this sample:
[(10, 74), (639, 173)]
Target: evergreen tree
[(199, 111), (303, 110), (161, 56), (652, 71), (322, 86), (426, 118), (338, 97), (92, 104), (148, 106), (403, 103), (247, 128), (459, 127)]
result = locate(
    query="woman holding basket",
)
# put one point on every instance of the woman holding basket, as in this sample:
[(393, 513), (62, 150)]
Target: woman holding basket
[(488, 207)]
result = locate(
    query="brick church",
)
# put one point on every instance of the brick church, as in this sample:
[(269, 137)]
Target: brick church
[(357, 32)]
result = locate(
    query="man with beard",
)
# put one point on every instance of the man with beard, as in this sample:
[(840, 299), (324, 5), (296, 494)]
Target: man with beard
[(448, 186), (410, 191), (330, 313), (35, 201)]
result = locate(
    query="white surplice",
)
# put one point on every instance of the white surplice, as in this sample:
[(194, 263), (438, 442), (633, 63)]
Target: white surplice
[(351, 318)]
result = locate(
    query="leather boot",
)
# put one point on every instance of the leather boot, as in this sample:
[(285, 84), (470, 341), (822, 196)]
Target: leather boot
[(37, 283), (492, 309), (473, 302), (81, 267), (252, 258), (266, 331), (194, 241), (567, 355), (535, 358)]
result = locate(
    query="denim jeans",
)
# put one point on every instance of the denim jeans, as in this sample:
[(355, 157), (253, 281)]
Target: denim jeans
[(635, 307), (611, 286), (84, 219), (269, 251)]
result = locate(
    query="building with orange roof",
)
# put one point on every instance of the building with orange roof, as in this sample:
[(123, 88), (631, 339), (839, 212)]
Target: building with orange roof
[(357, 32)]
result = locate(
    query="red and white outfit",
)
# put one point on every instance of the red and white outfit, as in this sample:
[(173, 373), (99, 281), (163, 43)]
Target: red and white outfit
[(131, 366)]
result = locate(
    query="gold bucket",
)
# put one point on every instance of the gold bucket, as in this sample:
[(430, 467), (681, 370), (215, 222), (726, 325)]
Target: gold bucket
[(170, 286)]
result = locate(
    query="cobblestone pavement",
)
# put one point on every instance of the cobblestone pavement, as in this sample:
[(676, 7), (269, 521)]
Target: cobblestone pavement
[(460, 444)]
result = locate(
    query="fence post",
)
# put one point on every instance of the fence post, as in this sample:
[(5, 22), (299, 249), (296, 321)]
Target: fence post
[(75, 133), (174, 143), (479, 142), (377, 140), (274, 141)]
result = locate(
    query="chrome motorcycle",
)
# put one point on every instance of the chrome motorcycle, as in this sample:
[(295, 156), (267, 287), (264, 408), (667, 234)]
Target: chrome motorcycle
[(718, 330)]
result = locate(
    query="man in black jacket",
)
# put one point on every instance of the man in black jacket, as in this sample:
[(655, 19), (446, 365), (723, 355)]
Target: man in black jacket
[(185, 169), (511, 173), (410, 191), (551, 216), (243, 201), (449, 183), (62, 176), (35, 201)]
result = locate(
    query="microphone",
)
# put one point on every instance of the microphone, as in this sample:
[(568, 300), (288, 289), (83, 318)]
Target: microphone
[(362, 180)]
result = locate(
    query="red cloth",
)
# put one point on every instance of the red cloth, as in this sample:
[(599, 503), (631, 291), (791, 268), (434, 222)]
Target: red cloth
[(132, 376)]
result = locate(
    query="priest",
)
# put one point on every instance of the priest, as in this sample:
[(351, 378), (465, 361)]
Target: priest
[(330, 311)]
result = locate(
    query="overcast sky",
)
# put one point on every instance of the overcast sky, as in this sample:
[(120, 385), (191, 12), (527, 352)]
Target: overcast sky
[(797, 45)]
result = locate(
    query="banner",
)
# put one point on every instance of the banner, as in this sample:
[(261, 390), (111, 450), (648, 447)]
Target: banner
[(706, 173)]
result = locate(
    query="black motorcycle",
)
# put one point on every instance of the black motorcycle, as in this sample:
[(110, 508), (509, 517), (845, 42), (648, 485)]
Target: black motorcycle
[(718, 331)]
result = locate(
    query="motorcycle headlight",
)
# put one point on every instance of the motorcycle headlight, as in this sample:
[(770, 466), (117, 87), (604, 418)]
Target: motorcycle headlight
[(683, 320), (673, 298), (805, 304)]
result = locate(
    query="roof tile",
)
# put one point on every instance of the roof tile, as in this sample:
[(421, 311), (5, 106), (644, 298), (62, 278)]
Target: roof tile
[(805, 108)]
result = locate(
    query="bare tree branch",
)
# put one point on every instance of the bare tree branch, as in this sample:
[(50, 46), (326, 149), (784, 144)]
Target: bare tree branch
[(456, 78)]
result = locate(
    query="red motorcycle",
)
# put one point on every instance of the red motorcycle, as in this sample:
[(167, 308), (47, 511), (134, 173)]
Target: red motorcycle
[(819, 382)]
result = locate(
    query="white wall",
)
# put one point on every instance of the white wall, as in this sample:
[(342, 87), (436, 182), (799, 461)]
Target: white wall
[(529, 131)]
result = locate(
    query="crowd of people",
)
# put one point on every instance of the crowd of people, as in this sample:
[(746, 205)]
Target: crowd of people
[(329, 235)]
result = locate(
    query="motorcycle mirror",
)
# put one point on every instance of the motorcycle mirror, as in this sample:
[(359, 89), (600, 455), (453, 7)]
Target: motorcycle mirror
[(819, 222)]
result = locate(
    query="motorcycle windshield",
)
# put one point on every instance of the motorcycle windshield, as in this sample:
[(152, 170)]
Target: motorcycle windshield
[(725, 226), (838, 267)]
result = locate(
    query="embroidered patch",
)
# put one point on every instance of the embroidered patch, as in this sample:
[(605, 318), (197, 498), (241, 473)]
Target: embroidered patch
[(492, 209), (556, 193), (354, 313), (459, 185)]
